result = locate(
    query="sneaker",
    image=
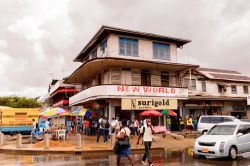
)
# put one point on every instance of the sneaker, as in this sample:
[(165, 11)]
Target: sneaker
[(144, 162)]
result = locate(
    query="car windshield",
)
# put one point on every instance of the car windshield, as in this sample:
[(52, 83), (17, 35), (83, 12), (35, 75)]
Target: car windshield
[(222, 130)]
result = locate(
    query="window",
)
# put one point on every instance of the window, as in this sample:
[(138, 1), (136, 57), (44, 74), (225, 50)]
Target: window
[(222, 88), (145, 77), (203, 86), (104, 47), (128, 46), (242, 129), (205, 120), (245, 89), (161, 51), (165, 78), (234, 89), (94, 54), (193, 83)]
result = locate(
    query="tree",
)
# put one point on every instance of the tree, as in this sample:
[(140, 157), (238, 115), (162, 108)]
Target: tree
[(20, 102)]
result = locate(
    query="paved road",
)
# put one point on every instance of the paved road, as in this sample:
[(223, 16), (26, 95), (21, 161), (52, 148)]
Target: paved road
[(168, 158)]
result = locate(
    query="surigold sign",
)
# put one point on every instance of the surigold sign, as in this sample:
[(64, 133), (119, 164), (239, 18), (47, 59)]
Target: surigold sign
[(142, 104)]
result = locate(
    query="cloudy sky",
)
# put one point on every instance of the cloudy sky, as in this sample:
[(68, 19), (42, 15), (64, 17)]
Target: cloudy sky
[(39, 39)]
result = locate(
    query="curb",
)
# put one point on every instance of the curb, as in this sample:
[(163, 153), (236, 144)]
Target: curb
[(75, 151)]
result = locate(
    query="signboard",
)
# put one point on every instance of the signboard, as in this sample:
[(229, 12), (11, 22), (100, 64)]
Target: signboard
[(125, 91), (248, 100), (143, 104)]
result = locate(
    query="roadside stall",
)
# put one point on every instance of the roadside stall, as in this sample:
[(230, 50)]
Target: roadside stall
[(52, 121)]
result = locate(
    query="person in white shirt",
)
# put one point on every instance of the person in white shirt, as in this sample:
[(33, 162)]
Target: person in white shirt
[(146, 133), (47, 125), (33, 131)]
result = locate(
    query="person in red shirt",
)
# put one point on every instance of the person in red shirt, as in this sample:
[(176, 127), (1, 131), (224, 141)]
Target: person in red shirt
[(87, 126)]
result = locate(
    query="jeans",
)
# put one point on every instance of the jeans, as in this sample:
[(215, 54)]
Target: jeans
[(87, 131), (101, 132), (147, 152)]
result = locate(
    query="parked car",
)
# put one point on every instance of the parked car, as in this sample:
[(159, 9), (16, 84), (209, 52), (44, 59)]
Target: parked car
[(224, 140), (207, 122)]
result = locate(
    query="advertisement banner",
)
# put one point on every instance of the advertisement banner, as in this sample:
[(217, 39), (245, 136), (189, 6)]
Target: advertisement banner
[(145, 104)]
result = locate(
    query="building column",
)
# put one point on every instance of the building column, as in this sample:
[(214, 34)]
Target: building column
[(164, 120), (111, 111), (132, 115)]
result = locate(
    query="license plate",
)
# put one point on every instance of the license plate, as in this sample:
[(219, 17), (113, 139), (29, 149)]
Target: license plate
[(204, 150)]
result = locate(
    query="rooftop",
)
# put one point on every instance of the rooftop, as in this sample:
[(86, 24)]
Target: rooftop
[(104, 31), (226, 75)]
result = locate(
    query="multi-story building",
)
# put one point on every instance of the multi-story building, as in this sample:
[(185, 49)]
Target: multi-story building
[(59, 93), (124, 72), (219, 92)]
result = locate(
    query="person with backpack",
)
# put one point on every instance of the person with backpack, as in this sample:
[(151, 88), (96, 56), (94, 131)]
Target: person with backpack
[(101, 130), (122, 139), (107, 125), (146, 132)]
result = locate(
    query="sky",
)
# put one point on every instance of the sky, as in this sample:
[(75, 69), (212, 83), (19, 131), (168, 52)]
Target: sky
[(39, 39)]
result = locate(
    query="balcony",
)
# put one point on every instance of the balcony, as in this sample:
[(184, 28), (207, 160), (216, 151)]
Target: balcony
[(125, 91)]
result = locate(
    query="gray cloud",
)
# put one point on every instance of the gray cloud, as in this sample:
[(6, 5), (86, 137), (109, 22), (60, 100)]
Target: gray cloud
[(38, 38)]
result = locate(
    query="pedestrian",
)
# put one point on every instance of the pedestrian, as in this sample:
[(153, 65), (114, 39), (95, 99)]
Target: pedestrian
[(116, 124), (101, 130), (135, 126), (34, 127), (147, 133), (181, 122), (189, 124), (87, 126), (107, 125), (169, 123), (123, 150), (47, 125), (195, 123)]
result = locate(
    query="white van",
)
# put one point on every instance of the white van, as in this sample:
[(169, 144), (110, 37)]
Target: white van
[(207, 122)]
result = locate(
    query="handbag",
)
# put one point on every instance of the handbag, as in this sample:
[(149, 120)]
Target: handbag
[(125, 141)]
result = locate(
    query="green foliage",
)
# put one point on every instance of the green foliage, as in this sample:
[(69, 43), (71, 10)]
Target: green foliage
[(20, 102)]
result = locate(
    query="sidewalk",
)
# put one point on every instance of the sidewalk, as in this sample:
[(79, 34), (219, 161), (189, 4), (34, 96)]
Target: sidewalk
[(90, 147)]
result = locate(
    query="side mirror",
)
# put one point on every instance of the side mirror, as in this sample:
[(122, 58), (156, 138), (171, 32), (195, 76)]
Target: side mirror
[(239, 134)]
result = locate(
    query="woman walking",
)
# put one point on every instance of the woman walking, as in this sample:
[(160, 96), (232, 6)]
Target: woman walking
[(124, 146)]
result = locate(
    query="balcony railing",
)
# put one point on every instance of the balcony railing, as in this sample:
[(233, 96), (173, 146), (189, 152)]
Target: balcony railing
[(125, 91)]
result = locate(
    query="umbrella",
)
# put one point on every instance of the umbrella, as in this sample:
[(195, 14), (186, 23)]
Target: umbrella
[(54, 111), (80, 112), (150, 113), (88, 113), (169, 112)]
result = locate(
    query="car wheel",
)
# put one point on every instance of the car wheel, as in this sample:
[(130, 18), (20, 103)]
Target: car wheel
[(232, 153)]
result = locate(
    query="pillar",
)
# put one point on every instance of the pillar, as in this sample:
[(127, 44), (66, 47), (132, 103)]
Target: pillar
[(19, 141), (132, 114), (1, 139), (164, 120), (78, 141), (46, 141), (159, 121)]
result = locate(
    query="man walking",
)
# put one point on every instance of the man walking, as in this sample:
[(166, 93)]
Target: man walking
[(146, 132), (101, 130)]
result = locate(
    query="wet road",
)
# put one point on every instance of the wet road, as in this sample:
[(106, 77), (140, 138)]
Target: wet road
[(170, 158)]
